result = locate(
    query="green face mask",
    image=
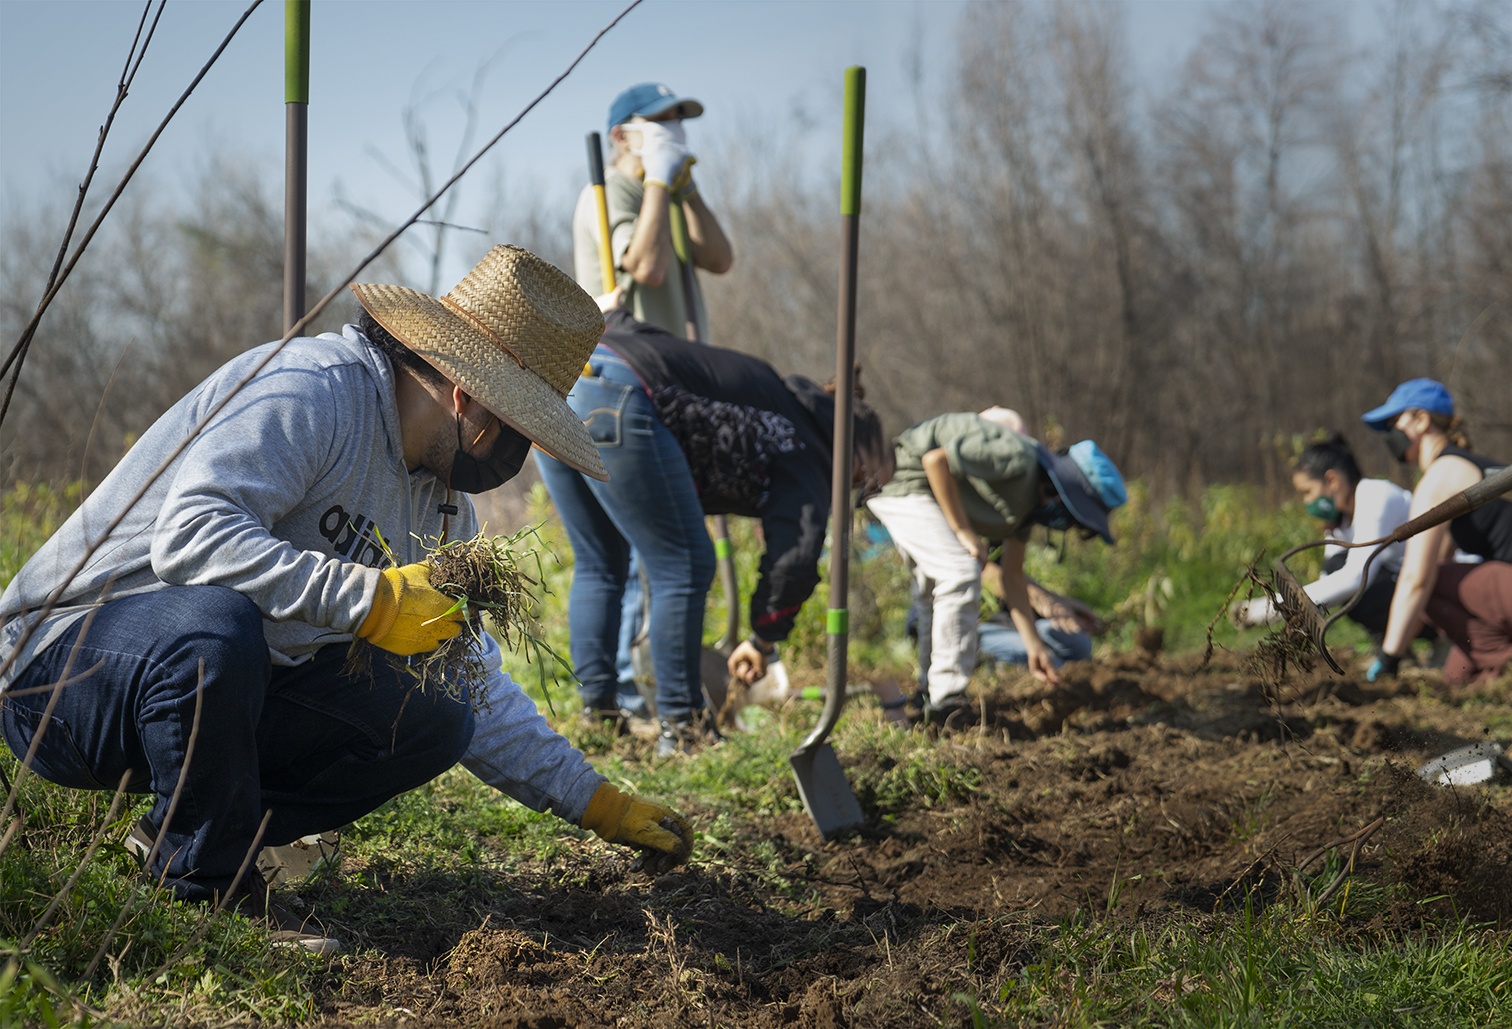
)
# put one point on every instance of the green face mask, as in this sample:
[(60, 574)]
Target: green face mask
[(1324, 509)]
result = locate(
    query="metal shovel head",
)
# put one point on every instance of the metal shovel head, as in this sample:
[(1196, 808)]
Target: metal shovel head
[(1465, 766), (712, 672), (826, 793), (715, 675)]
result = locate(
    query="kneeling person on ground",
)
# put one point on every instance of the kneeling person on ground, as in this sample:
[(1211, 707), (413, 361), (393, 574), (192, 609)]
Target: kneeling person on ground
[(296, 520), (1353, 509)]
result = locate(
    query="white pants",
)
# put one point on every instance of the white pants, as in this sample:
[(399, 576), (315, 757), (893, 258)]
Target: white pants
[(947, 583)]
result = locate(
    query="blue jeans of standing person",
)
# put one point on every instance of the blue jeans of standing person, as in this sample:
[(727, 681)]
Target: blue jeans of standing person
[(631, 614), (650, 504), (317, 747)]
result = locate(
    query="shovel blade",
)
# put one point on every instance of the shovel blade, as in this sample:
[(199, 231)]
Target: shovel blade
[(826, 793), (716, 679)]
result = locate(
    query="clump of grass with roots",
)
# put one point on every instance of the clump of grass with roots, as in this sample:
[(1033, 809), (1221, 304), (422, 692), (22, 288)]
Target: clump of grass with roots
[(486, 576)]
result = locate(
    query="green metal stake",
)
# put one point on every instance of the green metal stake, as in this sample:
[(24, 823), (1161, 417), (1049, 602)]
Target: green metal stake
[(296, 154)]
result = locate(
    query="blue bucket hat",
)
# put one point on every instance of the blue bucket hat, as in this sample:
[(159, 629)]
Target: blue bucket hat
[(1414, 394), (648, 100), (1088, 481)]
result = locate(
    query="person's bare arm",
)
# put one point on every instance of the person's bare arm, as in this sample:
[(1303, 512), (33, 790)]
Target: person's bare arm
[(1068, 613), (1016, 599), (1425, 552), (650, 253), (948, 495), (711, 248)]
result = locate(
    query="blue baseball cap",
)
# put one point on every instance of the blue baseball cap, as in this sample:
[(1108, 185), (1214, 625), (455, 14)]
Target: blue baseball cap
[(1414, 394), (1088, 481), (648, 100)]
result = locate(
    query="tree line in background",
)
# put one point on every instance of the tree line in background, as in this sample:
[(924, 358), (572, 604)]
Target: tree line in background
[(1266, 250), (1192, 279)]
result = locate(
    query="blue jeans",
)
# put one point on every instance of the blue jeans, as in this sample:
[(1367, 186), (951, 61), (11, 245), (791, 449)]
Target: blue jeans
[(631, 614), (1000, 643), (650, 504), (317, 747)]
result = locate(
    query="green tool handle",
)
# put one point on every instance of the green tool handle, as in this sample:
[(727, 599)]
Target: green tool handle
[(296, 155), (296, 51)]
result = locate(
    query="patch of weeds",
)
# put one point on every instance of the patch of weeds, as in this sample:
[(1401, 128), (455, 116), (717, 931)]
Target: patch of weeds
[(908, 770), (451, 819), (747, 774), (1253, 816)]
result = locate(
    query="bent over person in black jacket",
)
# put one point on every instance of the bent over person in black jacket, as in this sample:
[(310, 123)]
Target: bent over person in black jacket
[(686, 430)]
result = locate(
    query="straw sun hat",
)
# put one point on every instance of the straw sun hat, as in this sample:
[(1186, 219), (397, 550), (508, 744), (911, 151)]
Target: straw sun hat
[(514, 333)]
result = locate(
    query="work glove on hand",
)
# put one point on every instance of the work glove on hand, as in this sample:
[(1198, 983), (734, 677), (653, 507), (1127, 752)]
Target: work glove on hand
[(1383, 667), (664, 153), (624, 818), (408, 616), (1246, 614), (683, 187)]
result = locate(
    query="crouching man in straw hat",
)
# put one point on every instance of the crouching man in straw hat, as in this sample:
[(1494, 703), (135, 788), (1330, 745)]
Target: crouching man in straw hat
[(202, 646)]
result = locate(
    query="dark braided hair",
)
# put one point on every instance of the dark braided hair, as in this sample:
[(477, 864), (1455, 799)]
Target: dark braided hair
[(398, 354), (1331, 454)]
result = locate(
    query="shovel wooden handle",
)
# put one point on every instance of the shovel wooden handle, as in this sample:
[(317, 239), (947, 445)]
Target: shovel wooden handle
[(596, 177)]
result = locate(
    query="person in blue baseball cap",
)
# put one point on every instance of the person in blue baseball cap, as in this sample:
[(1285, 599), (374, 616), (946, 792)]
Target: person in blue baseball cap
[(649, 175), (962, 480), (1471, 604)]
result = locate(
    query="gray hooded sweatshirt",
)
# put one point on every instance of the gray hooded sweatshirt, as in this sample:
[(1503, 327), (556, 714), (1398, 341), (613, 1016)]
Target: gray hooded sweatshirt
[(289, 496)]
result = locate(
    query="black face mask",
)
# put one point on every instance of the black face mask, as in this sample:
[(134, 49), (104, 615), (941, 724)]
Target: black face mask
[(503, 462), (1398, 443)]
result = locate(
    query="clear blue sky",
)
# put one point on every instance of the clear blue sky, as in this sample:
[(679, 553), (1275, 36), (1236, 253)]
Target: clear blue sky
[(753, 64)]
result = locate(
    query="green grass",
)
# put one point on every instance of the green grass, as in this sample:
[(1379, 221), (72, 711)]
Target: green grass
[(28, 516), (1267, 970)]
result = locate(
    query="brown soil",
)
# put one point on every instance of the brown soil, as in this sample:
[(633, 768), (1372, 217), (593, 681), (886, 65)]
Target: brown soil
[(1143, 791)]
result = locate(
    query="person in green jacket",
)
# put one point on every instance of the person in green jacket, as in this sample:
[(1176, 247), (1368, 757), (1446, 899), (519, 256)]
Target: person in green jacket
[(963, 481)]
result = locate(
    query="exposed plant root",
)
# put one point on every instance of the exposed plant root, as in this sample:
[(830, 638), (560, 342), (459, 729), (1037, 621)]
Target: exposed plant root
[(485, 574)]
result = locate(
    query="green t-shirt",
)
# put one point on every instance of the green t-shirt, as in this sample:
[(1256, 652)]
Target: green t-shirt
[(996, 469), (662, 305)]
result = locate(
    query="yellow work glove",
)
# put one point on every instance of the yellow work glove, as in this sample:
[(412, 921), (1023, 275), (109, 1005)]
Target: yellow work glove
[(408, 616), (620, 817)]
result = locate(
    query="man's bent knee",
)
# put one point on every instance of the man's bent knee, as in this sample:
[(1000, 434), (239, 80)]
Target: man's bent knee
[(438, 728)]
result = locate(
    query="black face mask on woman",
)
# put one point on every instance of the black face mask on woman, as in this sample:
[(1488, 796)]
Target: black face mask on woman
[(503, 462), (1398, 443)]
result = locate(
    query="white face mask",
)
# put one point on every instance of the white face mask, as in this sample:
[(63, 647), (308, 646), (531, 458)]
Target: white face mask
[(656, 132)]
